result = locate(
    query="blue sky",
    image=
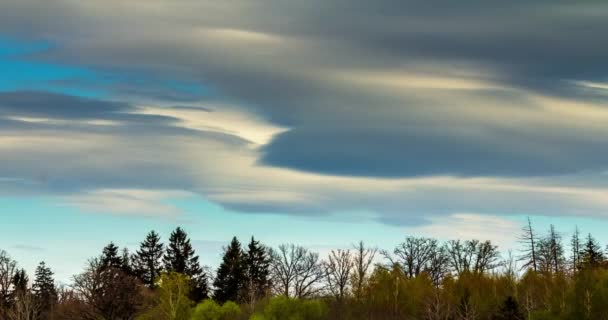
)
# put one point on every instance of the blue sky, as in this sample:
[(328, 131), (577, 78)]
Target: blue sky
[(315, 123)]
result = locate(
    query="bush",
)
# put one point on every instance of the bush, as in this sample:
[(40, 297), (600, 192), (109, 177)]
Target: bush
[(210, 310), (284, 308)]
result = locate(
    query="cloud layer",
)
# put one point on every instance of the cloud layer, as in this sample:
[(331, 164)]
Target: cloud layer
[(394, 108)]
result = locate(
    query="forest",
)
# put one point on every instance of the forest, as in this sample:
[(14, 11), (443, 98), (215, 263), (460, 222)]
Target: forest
[(551, 277)]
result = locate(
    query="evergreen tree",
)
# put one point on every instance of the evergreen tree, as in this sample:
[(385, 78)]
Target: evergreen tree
[(257, 269), (592, 255), (110, 257), (20, 280), (509, 310), (148, 259), (181, 258), (44, 290), (231, 279), (126, 263)]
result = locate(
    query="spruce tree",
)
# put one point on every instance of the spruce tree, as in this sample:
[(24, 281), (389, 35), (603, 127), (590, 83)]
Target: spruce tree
[(230, 279), (44, 290), (148, 259), (257, 271), (181, 258), (110, 257), (592, 256), (509, 310), (126, 263), (20, 280)]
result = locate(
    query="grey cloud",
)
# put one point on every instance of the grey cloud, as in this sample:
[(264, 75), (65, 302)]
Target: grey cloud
[(282, 63), (538, 48)]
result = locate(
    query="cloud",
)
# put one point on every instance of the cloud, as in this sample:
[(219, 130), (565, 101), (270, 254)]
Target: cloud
[(145, 203), (394, 89), (28, 248), (471, 226), (394, 108)]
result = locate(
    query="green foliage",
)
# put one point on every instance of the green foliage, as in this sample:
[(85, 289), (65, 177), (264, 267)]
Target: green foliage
[(284, 308), (173, 301), (211, 310)]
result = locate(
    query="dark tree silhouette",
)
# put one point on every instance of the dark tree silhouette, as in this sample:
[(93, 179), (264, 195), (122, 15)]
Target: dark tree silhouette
[(44, 290), (529, 242), (257, 269), (230, 279), (592, 256), (148, 259), (110, 257), (181, 258), (509, 310)]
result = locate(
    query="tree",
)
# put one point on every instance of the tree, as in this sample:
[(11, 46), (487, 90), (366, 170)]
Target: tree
[(109, 292), (257, 271), (148, 259), (44, 290), (230, 279), (509, 310), (296, 272), (529, 244), (592, 256), (20, 281), (110, 257), (173, 298), (337, 272), (363, 260), (472, 256), (414, 255), (126, 262), (8, 268), (24, 306), (181, 258), (575, 246), (551, 252)]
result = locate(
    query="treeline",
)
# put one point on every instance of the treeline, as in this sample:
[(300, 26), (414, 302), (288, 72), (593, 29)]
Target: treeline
[(421, 278)]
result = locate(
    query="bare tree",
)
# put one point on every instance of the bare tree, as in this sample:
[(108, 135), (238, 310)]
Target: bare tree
[(8, 268), (363, 259), (472, 256), (414, 255), (24, 306), (109, 292), (575, 245), (337, 272), (529, 243), (296, 272)]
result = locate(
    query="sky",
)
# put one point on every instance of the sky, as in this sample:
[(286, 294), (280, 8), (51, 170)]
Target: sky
[(319, 123)]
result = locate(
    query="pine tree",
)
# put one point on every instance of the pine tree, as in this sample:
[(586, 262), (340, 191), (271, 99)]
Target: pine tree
[(110, 257), (148, 259), (20, 280), (181, 258), (509, 310), (230, 280), (257, 269), (126, 263), (592, 256), (44, 290)]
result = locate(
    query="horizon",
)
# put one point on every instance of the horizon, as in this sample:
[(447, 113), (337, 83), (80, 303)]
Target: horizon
[(314, 123)]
